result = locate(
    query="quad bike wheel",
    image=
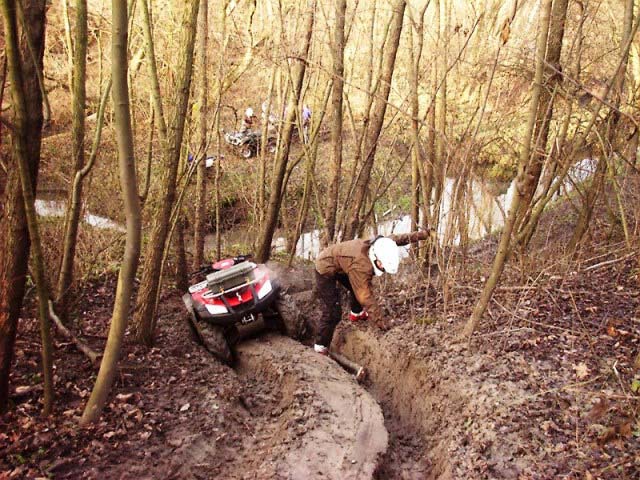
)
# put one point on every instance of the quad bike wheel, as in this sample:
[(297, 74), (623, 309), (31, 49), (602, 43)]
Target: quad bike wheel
[(247, 151), (211, 337), (216, 343)]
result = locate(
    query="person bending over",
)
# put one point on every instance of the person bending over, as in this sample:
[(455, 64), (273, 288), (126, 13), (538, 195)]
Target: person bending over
[(353, 264)]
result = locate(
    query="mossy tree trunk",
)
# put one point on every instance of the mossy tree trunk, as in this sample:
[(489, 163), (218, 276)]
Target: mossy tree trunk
[(74, 206), (337, 50), (418, 180), (14, 233), (203, 93)]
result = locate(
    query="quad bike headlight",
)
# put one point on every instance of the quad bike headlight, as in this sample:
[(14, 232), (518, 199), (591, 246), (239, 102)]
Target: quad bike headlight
[(265, 289), (216, 309)]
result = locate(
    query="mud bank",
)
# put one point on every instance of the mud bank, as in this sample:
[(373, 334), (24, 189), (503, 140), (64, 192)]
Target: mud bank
[(443, 422), (415, 405), (322, 423)]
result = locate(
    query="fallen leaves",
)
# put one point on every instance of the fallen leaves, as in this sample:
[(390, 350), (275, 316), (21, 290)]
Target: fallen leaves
[(582, 371), (599, 409)]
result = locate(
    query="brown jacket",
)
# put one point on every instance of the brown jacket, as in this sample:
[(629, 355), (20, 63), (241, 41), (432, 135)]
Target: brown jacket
[(352, 258)]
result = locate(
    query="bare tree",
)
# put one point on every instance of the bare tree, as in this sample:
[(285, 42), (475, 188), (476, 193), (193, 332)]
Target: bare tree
[(65, 277), (128, 183), (143, 320), (418, 179), (263, 249), (337, 50), (610, 132), (14, 234), (377, 119), (505, 238), (552, 78), (203, 88)]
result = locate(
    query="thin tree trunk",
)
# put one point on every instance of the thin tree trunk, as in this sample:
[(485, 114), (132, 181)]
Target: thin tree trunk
[(555, 180), (337, 49), (147, 177), (263, 249), (14, 234), (21, 155), (416, 39), (262, 169), (124, 289), (613, 118), (143, 319), (304, 208), (65, 277), (182, 280), (440, 110), (68, 42), (547, 95), (377, 119), (201, 174), (218, 110), (2, 85), (505, 239)]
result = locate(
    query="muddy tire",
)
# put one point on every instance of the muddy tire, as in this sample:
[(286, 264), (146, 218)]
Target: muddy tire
[(247, 151), (290, 315), (216, 342), (209, 336)]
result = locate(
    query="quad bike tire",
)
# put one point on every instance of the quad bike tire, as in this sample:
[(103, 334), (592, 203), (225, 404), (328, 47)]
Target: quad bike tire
[(248, 151), (211, 337), (215, 342)]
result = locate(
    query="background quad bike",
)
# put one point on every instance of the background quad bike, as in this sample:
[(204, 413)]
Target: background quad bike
[(248, 143)]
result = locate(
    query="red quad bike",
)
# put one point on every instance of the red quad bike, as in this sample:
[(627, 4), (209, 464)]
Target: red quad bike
[(237, 298)]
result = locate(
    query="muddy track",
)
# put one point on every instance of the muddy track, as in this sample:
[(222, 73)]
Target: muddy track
[(321, 423)]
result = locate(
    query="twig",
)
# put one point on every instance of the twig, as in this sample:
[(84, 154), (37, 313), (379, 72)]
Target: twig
[(528, 329), (609, 262), (83, 347), (615, 370), (532, 322)]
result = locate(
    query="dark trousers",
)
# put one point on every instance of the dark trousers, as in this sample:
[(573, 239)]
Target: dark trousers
[(329, 297)]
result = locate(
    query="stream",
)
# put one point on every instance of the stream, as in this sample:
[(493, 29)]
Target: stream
[(486, 214)]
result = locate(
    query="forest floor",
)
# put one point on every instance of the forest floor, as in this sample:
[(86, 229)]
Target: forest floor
[(547, 388)]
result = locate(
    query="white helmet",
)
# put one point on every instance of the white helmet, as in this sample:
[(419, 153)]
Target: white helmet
[(386, 252), (248, 112)]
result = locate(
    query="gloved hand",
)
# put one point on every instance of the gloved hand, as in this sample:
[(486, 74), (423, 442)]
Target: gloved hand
[(357, 317)]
